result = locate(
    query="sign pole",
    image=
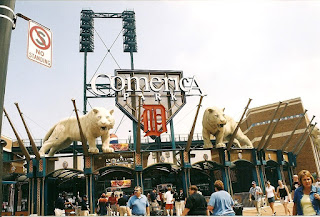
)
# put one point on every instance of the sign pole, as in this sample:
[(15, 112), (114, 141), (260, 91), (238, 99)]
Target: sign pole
[(134, 124), (85, 84), (5, 32)]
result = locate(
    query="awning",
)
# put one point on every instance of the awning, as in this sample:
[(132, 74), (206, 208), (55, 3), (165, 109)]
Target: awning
[(66, 174)]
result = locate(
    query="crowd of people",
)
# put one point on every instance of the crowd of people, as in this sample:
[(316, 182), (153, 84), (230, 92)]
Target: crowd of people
[(305, 195)]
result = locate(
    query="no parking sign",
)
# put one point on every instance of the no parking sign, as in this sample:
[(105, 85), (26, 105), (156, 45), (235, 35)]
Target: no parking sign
[(39, 44)]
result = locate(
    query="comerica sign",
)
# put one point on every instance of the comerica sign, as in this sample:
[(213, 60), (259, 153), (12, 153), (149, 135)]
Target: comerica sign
[(158, 84), (167, 88)]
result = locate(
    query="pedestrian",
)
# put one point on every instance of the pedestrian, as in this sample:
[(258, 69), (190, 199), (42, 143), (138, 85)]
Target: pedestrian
[(168, 196), (102, 204), (196, 204), (77, 209), (306, 197), (138, 203), (122, 205), (295, 185), (179, 199), (255, 195), (270, 196), (113, 204), (61, 202), (84, 206), (159, 199), (220, 203), (153, 200), (283, 194)]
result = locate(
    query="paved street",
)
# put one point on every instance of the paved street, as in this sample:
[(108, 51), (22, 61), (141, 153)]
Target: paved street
[(266, 210)]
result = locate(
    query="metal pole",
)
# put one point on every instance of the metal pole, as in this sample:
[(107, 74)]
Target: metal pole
[(85, 84), (294, 129), (5, 33), (266, 132), (134, 124), (83, 138), (20, 142), (304, 133), (138, 128), (188, 146), (238, 126), (266, 145), (304, 141), (34, 147)]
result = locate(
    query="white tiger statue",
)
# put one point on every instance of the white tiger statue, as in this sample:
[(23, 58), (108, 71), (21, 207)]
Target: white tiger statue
[(95, 123), (221, 126)]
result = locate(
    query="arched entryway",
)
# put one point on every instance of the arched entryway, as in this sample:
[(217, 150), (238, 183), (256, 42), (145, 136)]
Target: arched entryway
[(203, 174), (272, 172), (113, 178), (161, 173), (242, 173), (71, 181)]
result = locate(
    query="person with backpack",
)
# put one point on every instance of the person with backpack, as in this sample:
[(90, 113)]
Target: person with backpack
[(255, 195)]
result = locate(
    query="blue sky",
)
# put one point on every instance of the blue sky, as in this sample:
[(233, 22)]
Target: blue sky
[(268, 51)]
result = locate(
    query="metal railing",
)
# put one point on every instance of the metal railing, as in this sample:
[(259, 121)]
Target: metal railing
[(164, 138)]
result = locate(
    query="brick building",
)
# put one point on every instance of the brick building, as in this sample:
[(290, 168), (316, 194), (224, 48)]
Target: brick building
[(258, 119)]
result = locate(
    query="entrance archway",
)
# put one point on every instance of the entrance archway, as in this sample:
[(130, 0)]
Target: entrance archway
[(242, 174), (272, 172), (104, 177), (203, 174), (161, 173), (71, 181)]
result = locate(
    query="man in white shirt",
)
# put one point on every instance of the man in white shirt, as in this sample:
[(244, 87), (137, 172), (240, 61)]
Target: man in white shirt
[(168, 196)]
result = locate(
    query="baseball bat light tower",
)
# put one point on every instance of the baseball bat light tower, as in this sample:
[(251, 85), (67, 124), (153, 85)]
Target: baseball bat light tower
[(87, 45)]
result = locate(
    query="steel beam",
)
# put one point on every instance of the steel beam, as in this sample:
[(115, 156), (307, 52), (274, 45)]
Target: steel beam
[(267, 130), (107, 15)]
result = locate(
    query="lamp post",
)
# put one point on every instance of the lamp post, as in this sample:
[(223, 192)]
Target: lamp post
[(6, 24)]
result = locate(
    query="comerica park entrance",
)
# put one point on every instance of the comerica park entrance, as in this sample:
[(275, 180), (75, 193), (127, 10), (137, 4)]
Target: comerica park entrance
[(155, 157), (157, 170)]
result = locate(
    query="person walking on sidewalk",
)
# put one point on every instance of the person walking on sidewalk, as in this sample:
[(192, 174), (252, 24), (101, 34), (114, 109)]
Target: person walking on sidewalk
[(255, 194), (138, 203), (295, 185), (283, 193), (168, 196), (221, 202), (102, 204), (196, 203), (270, 196), (179, 199)]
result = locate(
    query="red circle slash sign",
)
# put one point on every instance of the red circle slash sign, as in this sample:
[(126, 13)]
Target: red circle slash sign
[(40, 42)]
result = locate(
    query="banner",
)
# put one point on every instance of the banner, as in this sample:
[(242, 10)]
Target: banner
[(121, 183), (120, 147)]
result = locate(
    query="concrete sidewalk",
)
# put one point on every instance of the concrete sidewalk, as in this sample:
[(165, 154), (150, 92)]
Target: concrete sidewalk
[(266, 210)]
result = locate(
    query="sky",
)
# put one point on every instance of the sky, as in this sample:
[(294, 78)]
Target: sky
[(265, 50)]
